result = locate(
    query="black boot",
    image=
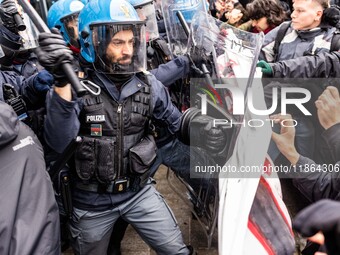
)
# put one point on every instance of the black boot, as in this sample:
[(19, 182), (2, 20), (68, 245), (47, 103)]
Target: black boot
[(192, 250)]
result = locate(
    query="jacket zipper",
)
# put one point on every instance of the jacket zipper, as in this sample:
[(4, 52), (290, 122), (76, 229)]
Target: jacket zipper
[(120, 136)]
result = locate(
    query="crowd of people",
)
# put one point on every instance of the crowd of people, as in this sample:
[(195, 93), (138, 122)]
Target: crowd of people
[(79, 165)]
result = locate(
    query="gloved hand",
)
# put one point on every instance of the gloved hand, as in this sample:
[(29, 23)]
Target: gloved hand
[(324, 216), (210, 137), (43, 81), (52, 53), (266, 68), (197, 57), (7, 10)]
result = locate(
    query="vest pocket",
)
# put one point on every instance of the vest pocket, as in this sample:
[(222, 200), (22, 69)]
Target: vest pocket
[(142, 155), (138, 119), (85, 159), (105, 161)]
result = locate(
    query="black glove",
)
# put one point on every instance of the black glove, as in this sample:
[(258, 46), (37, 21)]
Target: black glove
[(322, 216), (52, 53), (210, 137), (197, 57), (7, 10)]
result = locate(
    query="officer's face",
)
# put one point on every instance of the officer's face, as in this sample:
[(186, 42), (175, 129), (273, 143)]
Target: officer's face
[(120, 49), (72, 25), (141, 14), (72, 30)]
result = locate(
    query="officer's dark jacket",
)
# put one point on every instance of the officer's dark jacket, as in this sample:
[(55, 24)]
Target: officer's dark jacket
[(176, 69), (25, 86), (67, 119), (27, 64), (11, 77)]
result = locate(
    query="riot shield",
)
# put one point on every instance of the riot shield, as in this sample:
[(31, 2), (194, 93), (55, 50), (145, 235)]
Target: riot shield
[(248, 196), (233, 55), (175, 32)]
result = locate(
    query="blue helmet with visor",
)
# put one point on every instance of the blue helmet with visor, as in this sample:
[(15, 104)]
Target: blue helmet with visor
[(112, 36), (146, 12), (63, 15)]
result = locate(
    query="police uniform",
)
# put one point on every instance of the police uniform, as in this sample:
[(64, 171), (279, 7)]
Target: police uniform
[(112, 125)]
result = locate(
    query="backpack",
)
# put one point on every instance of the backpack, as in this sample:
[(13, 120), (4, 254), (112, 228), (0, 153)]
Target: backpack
[(335, 43)]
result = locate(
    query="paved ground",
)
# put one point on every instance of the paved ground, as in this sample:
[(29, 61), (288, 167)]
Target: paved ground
[(191, 229)]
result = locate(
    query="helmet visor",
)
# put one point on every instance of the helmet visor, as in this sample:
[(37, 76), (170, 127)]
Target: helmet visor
[(71, 28), (119, 48), (147, 13)]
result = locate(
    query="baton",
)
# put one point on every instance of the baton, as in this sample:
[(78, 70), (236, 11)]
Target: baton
[(207, 76), (41, 26)]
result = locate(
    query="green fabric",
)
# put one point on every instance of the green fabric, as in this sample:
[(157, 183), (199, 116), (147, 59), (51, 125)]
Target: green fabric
[(266, 68)]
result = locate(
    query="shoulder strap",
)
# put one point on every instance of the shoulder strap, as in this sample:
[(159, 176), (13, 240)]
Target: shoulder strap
[(335, 42), (146, 78), (279, 37)]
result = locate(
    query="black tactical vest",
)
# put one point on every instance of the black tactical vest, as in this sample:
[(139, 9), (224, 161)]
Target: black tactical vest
[(109, 130)]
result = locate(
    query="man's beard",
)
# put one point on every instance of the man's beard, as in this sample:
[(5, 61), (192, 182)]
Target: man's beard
[(123, 59), (116, 65), (119, 66)]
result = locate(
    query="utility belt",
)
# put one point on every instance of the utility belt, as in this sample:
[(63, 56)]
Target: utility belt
[(120, 185)]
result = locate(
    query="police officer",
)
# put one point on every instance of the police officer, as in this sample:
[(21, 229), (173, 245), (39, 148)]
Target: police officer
[(15, 44), (63, 15), (10, 39), (112, 162), (31, 88), (19, 38)]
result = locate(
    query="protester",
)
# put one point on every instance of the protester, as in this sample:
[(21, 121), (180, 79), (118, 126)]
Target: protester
[(30, 216)]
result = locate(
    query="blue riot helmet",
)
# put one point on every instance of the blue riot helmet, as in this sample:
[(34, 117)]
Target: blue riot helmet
[(63, 15), (146, 12), (176, 35), (112, 37)]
